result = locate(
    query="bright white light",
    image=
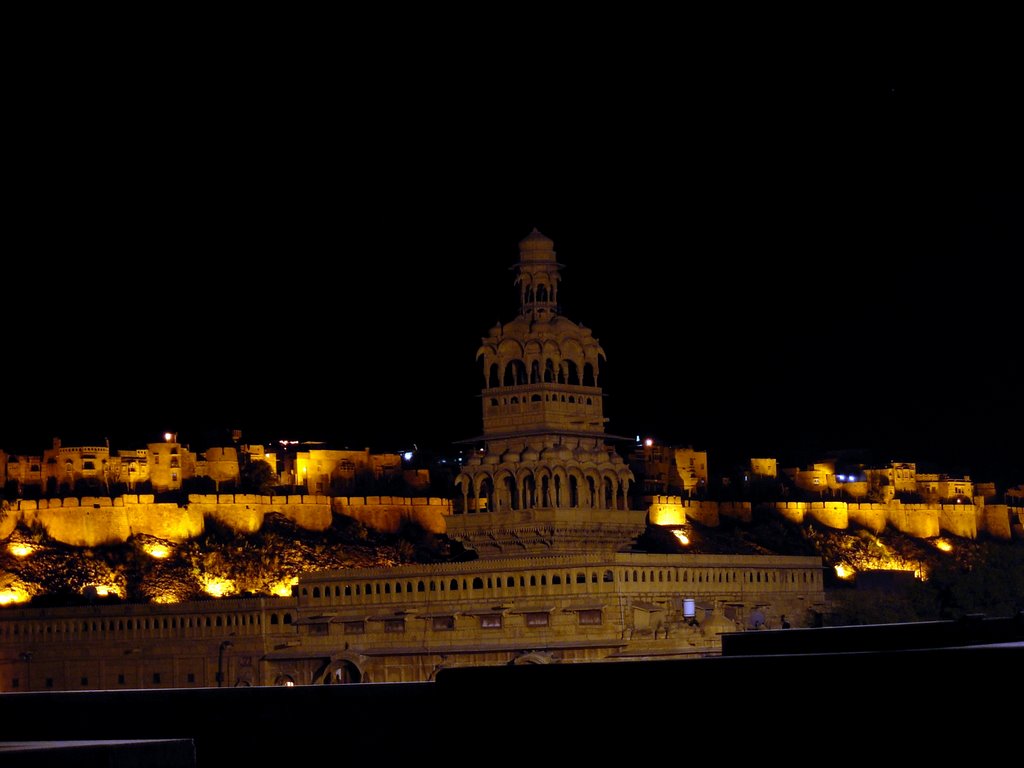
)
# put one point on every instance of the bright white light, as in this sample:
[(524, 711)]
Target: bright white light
[(407, 455), (842, 478), (168, 436), (648, 442)]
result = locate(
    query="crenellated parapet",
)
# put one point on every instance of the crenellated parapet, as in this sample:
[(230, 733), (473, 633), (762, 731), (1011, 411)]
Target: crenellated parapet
[(95, 521)]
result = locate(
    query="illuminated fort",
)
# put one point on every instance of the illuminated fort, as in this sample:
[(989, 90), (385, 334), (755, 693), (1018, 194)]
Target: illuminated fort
[(544, 501)]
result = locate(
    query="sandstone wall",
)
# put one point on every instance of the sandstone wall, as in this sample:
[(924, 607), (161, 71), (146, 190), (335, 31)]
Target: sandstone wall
[(666, 510), (386, 513), (874, 517), (959, 520), (996, 521), (917, 520)]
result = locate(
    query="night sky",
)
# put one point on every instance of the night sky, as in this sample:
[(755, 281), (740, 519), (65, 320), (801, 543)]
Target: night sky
[(773, 267)]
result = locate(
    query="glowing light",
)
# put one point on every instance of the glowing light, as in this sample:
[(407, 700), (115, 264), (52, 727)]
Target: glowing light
[(841, 478), (289, 684), (943, 545), (683, 538), (20, 550), (284, 588), (648, 442), (844, 571), (168, 436), (104, 590), (13, 595), (159, 551), (215, 586), (407, 455)]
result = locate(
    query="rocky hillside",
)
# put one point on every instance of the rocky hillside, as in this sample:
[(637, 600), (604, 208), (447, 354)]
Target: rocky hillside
[(870, 578)]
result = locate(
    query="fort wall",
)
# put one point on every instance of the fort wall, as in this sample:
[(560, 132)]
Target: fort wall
[(386, 513), (95, 521), (918, 520)]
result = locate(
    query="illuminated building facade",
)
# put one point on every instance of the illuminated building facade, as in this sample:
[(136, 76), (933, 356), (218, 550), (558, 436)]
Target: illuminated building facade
[(544, 501)]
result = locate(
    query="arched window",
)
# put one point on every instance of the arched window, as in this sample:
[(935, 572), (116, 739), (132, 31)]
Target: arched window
[(574, 372), (556, 579), (533, 581), (420, 587), (510, 581), (387, 587), (454, 585), (398, 587), (581, 578), (316, 591), (287, 618), (478, 583)]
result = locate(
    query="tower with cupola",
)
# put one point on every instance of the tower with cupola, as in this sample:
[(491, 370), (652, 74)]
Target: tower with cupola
[(543, 476)]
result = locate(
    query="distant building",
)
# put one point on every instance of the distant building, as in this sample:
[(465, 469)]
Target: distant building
[(668, 470)]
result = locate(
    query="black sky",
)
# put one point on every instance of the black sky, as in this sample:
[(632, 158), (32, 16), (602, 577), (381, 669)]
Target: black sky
[(776, 261)]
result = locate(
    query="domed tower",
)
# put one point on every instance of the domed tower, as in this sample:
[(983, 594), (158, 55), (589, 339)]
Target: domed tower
[(545, 479)]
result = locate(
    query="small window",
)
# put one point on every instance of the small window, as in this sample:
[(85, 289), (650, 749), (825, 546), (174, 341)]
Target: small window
[(120, 679), (443, 623), (15, 682), (191, 677), (85, 681), (590, 617), (323, 629), (491, 621), (394, 625), (156, 678), (538, 619), (351, 627), (49, 682)]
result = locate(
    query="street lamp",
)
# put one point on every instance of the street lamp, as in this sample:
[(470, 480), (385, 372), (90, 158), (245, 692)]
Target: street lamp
[(220, 660)]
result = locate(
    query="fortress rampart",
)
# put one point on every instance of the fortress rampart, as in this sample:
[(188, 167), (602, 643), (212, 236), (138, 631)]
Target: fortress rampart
[(95, 521), (918, 520)]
